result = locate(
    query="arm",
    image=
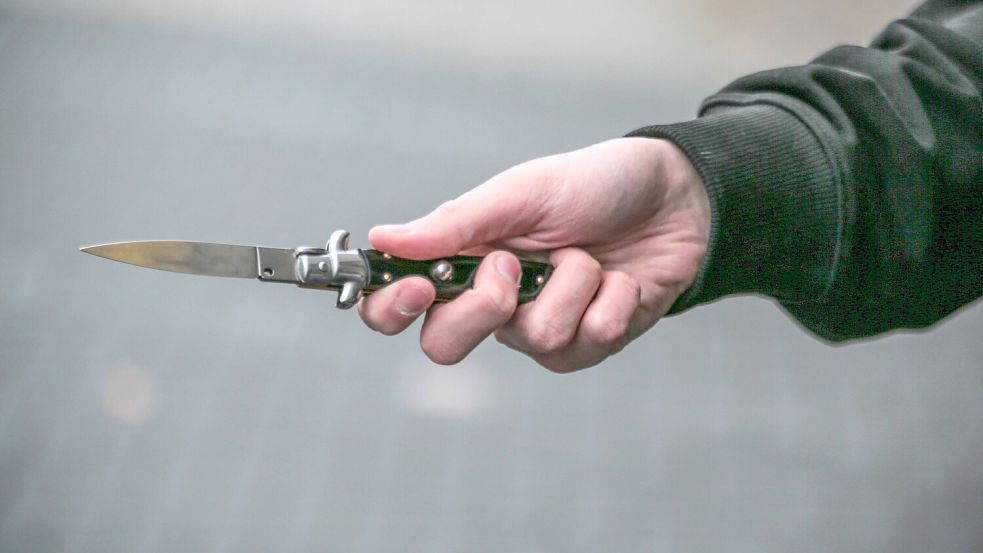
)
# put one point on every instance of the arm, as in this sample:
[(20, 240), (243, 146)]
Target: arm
[(851, 189)]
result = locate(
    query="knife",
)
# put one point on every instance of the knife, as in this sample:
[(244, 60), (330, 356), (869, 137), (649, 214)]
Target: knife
[(353, 273)]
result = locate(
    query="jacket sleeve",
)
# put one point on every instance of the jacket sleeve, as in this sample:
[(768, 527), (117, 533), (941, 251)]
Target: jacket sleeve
[(850, 189)]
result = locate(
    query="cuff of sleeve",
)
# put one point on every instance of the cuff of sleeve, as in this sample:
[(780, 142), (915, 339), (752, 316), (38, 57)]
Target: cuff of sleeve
[(776, 207)]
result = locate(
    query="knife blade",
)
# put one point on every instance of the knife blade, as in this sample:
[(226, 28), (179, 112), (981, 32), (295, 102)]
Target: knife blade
[(353, 273)]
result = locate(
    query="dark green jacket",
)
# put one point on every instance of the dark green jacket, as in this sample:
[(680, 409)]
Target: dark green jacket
[(850, 189)]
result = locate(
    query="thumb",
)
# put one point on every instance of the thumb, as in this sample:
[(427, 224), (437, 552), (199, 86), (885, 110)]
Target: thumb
[(508, 205)]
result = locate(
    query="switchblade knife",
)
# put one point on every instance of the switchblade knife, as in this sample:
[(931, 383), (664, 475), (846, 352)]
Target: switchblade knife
[(353, 273)]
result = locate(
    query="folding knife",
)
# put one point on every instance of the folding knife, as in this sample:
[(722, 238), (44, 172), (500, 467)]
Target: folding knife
[(353, 273)]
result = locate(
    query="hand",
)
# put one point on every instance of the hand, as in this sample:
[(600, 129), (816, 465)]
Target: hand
[(627, 222)]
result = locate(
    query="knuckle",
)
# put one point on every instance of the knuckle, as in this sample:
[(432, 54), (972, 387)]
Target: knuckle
[(500, 301), (440, 351), (448, 207), (606, 331), (547, 336)]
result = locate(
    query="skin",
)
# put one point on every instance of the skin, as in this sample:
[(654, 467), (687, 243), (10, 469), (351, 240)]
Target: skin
[(626, 223)]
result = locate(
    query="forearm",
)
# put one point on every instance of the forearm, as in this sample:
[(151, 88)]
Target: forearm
[(850, 189)]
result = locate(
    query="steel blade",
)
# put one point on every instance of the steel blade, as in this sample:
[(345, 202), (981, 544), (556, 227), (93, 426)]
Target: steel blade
[(198, 258)]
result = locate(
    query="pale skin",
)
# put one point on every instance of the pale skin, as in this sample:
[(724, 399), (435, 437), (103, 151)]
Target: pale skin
[(625, 223)]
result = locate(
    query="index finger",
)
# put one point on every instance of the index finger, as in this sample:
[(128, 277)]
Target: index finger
[(391, 309)]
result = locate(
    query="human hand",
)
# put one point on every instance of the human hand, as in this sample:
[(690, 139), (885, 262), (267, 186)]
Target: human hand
[(627, 222)]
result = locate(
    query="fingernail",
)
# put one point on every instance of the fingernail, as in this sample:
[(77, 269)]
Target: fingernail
[(508, 267), (412, 302), (395, 229)]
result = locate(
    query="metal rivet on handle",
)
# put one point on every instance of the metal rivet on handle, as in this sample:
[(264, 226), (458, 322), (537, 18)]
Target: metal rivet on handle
[(388, 277), (442, 271), (540, 279)]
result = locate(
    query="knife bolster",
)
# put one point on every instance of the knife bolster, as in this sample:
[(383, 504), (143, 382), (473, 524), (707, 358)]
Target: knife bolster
[(336, 267)]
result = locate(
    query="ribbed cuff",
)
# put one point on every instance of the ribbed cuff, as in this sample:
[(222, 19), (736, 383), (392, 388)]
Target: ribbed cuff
[(775, 204)]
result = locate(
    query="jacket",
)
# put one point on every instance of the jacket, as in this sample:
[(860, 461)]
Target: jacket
[(850, 189)]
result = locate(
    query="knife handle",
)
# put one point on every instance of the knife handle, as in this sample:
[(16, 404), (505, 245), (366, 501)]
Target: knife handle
[(451, 276)]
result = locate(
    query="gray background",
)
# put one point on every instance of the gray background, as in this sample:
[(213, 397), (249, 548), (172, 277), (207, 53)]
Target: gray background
[(143, 411)]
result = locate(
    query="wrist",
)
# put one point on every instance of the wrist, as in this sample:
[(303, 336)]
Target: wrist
[(774, 203), (686, 193), (683, 217)]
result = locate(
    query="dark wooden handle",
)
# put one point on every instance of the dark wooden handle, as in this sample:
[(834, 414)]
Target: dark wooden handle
[(385, 269)]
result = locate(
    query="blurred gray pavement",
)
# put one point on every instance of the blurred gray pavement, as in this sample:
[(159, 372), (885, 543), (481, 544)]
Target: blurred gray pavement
[(143, 411)]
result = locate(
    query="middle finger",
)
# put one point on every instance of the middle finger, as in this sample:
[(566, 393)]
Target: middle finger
[(452, 330), (549, 324)]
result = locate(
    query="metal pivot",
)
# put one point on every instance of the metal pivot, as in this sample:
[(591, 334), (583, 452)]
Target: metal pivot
[(336, 267)]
